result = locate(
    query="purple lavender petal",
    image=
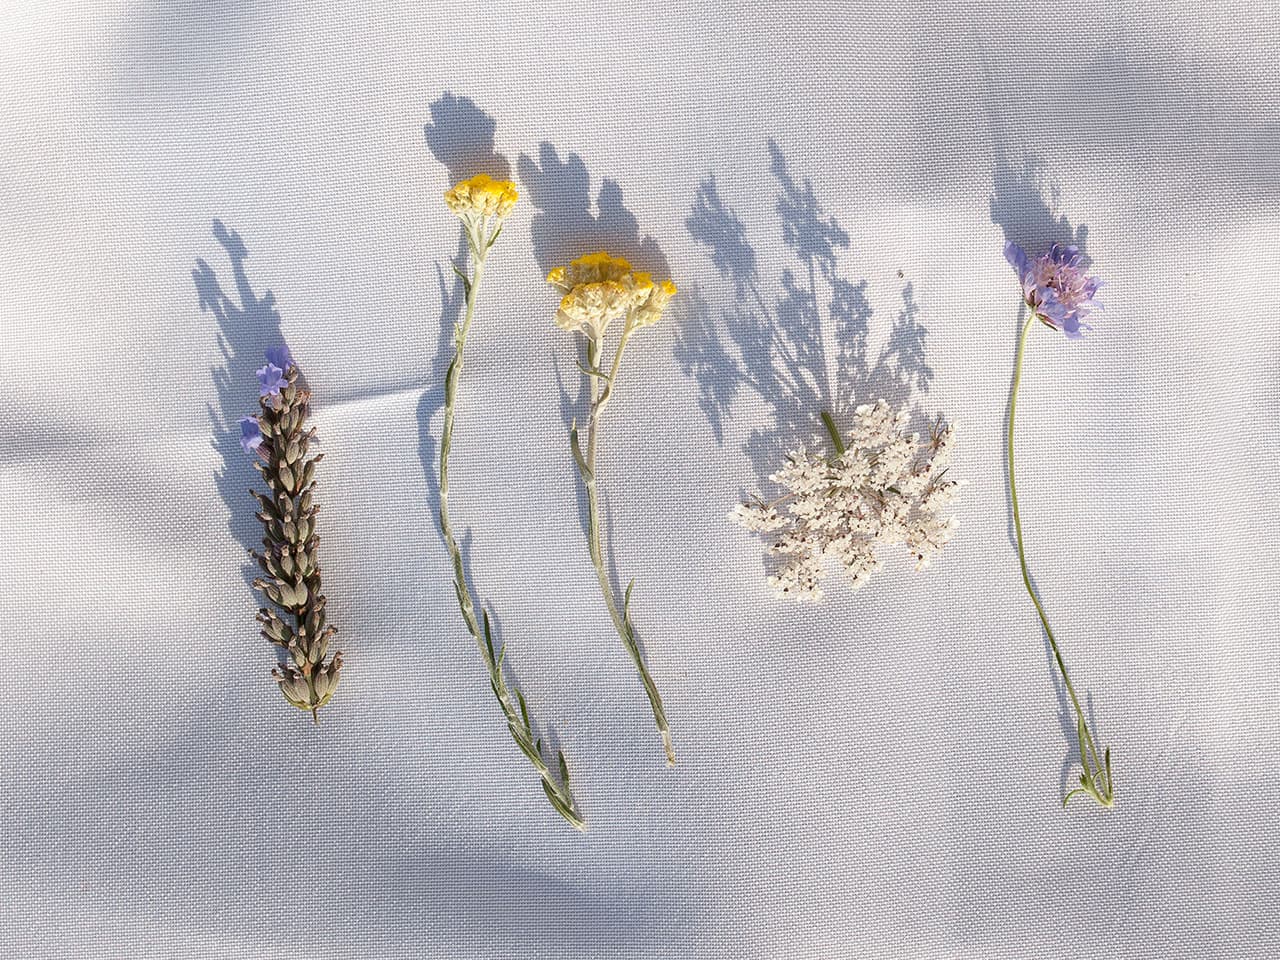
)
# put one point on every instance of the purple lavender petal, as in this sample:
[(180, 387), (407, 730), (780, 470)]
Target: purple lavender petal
[(280, 357), (272, 380), (250, 434)]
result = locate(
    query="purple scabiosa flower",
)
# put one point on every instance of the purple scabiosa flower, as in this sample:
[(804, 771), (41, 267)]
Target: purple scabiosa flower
[(1056, 287), (280, 357), (250, 434), (271, 380)]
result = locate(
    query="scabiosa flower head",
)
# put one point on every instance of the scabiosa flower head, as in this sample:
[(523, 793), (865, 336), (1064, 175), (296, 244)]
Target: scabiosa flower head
[(1056, 286), (250, 434), (482, 196), (888, 487)]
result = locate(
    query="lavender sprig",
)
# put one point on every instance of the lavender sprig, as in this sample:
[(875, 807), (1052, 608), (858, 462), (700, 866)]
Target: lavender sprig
[(278, 435)]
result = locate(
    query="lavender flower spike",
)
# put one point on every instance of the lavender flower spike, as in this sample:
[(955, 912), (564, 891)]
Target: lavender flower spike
[(295, 621), (1056, 287)]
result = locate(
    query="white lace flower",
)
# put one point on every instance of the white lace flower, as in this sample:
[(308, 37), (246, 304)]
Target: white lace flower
[(886, 487)]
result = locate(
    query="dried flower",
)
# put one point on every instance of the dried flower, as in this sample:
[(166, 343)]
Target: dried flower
[(592, 268), (271, 379), (279, 356), (598, 289), (1056, 287), (1057, 293), (250, 434), (882, 487), (482, 196), (289, 557), (482, 203)]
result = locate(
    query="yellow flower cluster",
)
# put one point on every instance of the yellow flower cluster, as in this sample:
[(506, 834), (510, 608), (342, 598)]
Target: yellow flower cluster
[(600, 288), (483, 196)]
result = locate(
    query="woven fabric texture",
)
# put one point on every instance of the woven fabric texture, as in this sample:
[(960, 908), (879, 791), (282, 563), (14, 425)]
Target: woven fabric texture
[(878, 775)]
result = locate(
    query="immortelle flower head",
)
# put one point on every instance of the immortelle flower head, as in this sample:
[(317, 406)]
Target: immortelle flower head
[(598, 291), (289, 556), (1059, 293), (600, 288), (1056, 287), (882, 487), (482, 204), (482, 196)]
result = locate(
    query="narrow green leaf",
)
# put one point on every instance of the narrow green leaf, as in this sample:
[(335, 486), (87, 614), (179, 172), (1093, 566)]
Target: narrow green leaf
[(577, 454), (466, 281), (626, 599)]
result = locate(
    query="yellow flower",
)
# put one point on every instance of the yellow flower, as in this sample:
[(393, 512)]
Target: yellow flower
[(657, 297), (591, 307), (482, 196), (593, 268), (600, 288)]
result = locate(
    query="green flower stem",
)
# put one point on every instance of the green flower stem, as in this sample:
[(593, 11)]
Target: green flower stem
[(595, 534), (1095, 777), (515, 710), (836, 440)]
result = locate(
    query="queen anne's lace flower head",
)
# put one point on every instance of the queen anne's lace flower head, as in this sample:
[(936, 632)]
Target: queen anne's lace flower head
[(1056, 287), (600, 288), (482, 196), (887, 487)]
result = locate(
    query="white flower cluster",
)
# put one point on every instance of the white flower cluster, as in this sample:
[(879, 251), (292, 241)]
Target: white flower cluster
[(887, 487)]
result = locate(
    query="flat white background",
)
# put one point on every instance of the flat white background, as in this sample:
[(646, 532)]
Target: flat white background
[(875, 776)]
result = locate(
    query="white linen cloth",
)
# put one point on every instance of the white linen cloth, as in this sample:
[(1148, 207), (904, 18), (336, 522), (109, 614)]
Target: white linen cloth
[(877, 775)]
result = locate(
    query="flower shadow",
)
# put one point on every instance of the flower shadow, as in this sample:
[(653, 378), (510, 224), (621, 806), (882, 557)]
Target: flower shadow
[(801, 340), (248, 323), (1025, 204)]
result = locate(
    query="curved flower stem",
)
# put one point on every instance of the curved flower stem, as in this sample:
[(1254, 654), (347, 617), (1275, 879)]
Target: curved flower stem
[(1095, 777), (595, 534), (516, 711)]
